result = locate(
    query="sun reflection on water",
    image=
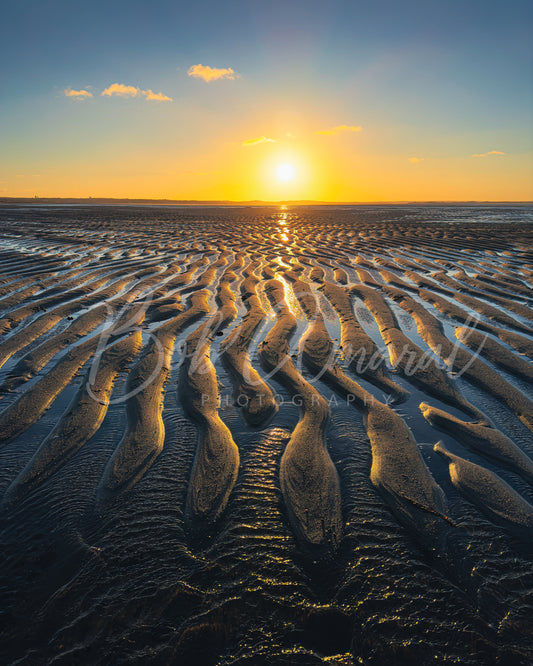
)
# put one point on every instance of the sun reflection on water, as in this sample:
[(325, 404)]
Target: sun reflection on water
[(290, 299), (283, 224)]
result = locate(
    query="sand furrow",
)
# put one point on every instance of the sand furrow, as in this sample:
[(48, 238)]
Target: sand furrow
[(145, 432), (9, 285), (491, 494), (309, 480), (398, 471), (205, 280), (503, 284), (471, 298), (252, 394), (461, 362), (72, 300), (361, 354), (482, 439), (482, 344), (47, 321), (29, 408), (35, 360), (488, 288), (80, 422), (415, 364), (519, 342), (216, 463), (17, 297)]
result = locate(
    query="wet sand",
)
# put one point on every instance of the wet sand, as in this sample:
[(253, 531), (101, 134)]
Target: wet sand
[(229, 339)]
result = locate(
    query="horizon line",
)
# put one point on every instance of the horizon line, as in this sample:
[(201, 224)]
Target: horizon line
[(249, 202)]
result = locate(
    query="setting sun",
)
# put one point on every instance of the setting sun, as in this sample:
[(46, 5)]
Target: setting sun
[(285, 172)]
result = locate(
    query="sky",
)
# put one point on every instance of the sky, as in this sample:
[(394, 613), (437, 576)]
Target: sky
[(366, 100)]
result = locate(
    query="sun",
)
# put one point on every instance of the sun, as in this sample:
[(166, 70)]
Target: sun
[(285, 172)]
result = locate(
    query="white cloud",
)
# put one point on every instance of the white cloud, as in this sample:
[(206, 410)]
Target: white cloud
[(211, 73)]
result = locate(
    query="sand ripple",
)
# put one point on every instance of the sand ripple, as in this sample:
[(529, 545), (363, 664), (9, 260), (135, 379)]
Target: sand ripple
[(318, 355)]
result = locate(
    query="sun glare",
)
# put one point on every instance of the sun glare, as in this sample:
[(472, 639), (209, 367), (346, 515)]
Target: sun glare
[(285, 172)]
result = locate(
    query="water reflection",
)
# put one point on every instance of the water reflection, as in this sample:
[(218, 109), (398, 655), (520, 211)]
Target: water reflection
[(283, 231), (291, 300)]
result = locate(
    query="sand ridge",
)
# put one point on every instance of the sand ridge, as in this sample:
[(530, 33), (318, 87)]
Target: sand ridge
[(448, 301)]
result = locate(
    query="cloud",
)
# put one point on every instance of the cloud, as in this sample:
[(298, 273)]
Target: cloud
[(211, 73), (78, 94), (491, 152), (120, 90), (260, 139), (157, 97), (340, 128), (414, 160)]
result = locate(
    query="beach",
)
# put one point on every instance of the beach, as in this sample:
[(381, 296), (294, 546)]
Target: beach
[(279, 434)]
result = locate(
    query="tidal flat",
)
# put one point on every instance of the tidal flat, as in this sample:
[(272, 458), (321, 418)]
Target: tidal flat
[(269, 434)]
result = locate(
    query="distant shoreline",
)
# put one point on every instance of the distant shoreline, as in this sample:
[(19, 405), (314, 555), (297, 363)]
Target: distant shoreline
[(7, 201)]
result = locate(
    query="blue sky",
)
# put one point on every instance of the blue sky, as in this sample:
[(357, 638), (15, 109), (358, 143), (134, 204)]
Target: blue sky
[(428, 78)]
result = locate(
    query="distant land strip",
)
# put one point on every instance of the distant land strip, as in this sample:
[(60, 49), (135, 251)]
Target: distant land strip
[(255, 202)]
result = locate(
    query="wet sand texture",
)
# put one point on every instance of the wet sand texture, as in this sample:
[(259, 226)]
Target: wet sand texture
[(398, 471), (227, 292), (252, 393), (408, 357), (485, 440), (216, 463), (491, 494), (458, 360), (360, 351), (308, 478), (145, 432), (81, 420)]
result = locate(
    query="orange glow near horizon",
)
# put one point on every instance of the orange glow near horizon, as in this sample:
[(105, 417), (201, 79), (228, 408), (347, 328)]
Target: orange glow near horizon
[(363, 105), (320, 168)]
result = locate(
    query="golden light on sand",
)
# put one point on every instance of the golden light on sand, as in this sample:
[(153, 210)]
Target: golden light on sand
[(284, 237), (285, 172)]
